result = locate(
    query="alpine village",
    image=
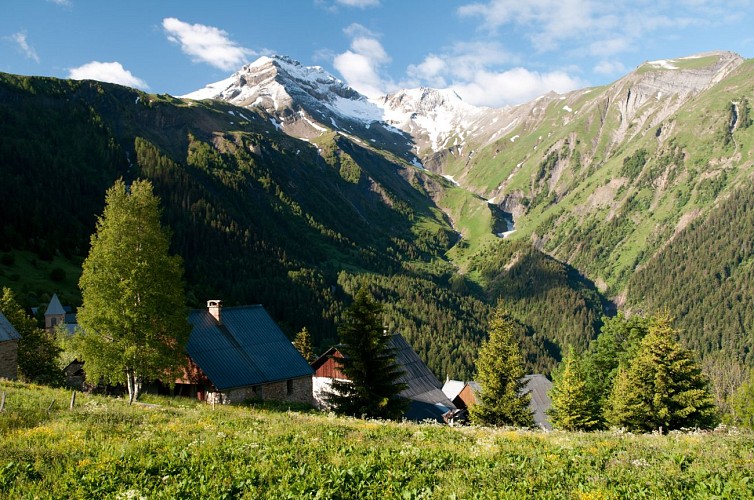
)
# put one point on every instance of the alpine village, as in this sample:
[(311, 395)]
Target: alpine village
[(274, 287)]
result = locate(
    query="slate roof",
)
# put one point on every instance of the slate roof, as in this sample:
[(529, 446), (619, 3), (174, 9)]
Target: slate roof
[(247, 349), (538, 386), (7, 331), (55, 306), (424, 391)]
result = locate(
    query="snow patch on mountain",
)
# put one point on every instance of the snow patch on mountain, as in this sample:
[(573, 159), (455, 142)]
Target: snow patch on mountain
[(438, 113)]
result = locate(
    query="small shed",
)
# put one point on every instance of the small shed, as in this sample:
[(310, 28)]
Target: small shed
[(424, 391), (244, 355), (9, 338), (537, 385)]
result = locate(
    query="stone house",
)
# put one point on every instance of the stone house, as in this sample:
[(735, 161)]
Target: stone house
[(240, 353), (9, 338)]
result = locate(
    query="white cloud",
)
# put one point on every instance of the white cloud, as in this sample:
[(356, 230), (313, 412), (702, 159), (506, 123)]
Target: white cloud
[(358, 3), (23, 45), (550, 20), (112, 72), (473, 70), (65, 3), (206, 44), (514, 86), (592, 26), (360, 66), (610, 68)]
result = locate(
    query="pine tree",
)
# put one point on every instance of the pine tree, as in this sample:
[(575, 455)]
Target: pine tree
[(303, 343), (662, 387), (37, 350), (369, 364), (133, 318), (573, 408), (500, 371)]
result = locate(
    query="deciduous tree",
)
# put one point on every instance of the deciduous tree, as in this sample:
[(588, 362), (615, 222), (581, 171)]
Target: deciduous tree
[(369, 364), (500, 371), (133, 319)]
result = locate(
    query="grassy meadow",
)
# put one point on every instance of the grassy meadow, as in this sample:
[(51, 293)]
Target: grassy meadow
[(178, 448)]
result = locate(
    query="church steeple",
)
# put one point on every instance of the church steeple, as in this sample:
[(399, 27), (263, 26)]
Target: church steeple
[(54, 315)]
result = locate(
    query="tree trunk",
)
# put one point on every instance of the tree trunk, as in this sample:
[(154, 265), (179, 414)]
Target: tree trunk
[(134, 386)]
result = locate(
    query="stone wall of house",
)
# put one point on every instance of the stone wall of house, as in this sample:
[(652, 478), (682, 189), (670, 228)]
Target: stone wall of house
[(300, 392), (9, 359)]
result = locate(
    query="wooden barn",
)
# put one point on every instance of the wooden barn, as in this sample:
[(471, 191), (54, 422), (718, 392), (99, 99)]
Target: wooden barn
[(9, 338), (239, 353), (424, 391)]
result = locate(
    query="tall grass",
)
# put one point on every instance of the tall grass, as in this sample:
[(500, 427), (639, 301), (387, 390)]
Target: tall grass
[(182, 449)]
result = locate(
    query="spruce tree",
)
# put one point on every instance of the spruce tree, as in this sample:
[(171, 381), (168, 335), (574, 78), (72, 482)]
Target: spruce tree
[(662, 387), (573, 407), (133, 319), (500, 371), (368, 363), (303, 343)]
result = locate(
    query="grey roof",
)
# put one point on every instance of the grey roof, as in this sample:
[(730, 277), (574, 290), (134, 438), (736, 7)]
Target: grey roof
[(538, 386), (7, 331), (427, 401), (55, 306), (247, 349)]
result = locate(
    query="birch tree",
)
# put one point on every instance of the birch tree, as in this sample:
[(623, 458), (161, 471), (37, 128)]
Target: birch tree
[(133, 319)]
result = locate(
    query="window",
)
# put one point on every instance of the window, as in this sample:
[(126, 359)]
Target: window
[(289, 386)]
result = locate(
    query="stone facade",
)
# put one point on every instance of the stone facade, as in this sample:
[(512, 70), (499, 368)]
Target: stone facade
[(297, 390), (9, 359)]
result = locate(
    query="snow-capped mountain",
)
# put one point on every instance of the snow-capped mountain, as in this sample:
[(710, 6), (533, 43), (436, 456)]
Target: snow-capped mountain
[(305, 99)]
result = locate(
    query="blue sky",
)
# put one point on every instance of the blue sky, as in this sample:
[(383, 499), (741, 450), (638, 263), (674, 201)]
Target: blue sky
[(492, 52)]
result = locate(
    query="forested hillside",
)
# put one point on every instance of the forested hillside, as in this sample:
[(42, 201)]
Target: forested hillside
[(259, 217)]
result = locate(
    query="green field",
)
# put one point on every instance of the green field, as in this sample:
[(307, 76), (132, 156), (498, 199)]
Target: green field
[(177, 448)]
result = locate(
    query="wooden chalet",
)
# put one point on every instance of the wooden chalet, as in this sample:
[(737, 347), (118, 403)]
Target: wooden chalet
[(239, 353), (424, 391), (9, 338)]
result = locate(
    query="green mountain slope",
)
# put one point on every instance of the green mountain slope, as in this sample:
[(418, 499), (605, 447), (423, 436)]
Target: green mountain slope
[(618, 182)]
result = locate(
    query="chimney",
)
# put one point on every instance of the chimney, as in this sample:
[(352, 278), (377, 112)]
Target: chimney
[(215, 307)]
